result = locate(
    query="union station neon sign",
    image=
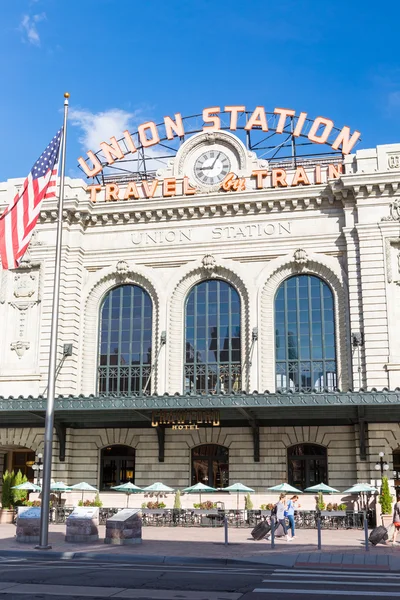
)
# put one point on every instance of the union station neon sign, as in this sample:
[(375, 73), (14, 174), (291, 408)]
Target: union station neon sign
[(320, 130)]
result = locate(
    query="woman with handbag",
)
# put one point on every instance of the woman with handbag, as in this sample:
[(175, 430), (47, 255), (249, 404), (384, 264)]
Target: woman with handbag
[(279, 513), (289, 513)]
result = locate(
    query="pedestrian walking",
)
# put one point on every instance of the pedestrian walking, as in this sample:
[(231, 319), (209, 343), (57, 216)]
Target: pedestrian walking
[(396, 518), (289, 513), (279, 512)]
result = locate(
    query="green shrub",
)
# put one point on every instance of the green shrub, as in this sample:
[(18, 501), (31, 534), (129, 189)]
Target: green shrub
[(320, 501), (248, 504), (385, 499), (177, 501), (342, 507), (7, 499), (97, 502), (19, 495)]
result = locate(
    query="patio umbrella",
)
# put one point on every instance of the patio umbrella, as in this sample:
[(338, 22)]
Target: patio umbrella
[(84, 487), (239, 488), (128, 488), (322, 487), (199, 488), (59, 487), (158, 487), (28, 486), (285, 488), (361, 488)]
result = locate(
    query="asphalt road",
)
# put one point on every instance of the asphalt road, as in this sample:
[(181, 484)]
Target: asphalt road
[(21, 579)]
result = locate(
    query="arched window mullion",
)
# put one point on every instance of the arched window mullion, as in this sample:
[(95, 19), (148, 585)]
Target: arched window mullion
[(125, 324), (211, 357), (303, 310)]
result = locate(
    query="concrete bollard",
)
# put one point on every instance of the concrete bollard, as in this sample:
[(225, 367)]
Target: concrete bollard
[(226, 530), (319, 532), (366, 532), (272, 532)]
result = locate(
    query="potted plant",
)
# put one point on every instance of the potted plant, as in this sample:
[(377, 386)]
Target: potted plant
[(7, 499), (19, 496), (385, 500), (321, 506)]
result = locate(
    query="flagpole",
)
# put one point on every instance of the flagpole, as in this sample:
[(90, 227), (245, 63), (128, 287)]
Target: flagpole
[(49, 423)]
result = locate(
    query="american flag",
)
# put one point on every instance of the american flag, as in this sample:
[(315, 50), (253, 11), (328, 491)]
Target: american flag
[(20, 217)]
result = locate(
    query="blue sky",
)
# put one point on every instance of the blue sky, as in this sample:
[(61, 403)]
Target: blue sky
[(128, 61)]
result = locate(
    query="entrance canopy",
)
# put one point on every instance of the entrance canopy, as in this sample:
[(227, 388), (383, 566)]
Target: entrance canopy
[(196, 411)]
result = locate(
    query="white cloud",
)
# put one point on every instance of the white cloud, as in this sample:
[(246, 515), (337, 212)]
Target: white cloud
[(99, 127), (29, 28)]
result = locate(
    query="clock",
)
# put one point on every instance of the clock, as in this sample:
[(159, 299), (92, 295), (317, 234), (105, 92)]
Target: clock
[(211, 167)]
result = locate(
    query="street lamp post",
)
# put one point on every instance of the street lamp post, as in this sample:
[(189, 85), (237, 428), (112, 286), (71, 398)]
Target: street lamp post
[(38, 467), (381, 466)]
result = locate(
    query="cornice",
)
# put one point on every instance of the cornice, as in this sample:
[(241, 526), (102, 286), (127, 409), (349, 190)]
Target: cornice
[(240, 399), (186, 208), (367, 185)]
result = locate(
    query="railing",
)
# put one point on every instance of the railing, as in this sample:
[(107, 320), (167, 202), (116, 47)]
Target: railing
[(167, 517)]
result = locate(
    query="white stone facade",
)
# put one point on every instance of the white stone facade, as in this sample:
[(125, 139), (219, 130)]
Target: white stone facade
[(346, 231)]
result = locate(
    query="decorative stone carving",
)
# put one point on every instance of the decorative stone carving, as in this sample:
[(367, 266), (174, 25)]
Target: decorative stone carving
[(394, 212), (122, 269), (392, 251), (20, 347), (24, 284), (35, 239), (209, 263), (300, 258), (394, 161)]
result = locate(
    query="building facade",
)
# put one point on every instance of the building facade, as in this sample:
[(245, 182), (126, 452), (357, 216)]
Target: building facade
[(209, 329)]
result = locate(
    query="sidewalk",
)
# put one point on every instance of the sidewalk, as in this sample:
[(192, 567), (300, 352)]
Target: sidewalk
[(343, 548)]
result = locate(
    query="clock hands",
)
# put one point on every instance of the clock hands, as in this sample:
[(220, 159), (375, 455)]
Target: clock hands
[(212, 166)]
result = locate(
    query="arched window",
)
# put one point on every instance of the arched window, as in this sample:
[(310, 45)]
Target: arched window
[(125, 341), (210, 465), (212, 339), (305, 335), (117, 466), (307, 465)]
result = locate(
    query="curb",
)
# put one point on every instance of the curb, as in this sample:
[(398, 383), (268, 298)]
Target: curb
[(133, 559)]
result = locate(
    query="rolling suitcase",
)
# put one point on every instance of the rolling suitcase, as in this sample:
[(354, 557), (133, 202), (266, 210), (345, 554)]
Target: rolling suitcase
[(261, 530), (379, 534), (279, 531)]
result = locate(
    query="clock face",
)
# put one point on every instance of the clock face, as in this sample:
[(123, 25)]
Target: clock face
[(212, 167)]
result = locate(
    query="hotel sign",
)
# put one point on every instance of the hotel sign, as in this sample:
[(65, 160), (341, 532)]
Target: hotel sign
[(185, 419)]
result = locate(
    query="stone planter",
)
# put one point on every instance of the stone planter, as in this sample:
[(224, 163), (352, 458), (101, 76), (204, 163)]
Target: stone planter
[(6, 516), (387, 520)]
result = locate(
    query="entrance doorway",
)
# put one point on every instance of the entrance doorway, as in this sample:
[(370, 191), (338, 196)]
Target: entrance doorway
[(210, 465), (117, 466)]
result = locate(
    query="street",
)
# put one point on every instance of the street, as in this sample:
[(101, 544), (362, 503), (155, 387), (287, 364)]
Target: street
[(56, 580)]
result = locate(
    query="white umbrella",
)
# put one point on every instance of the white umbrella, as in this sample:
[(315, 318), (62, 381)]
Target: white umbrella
[(361, 488), (239, 488), (158, 487), (285, 488), (28, 486), (129, 488), (84, 487), (59, 487), (322, 487), (199, 488)]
